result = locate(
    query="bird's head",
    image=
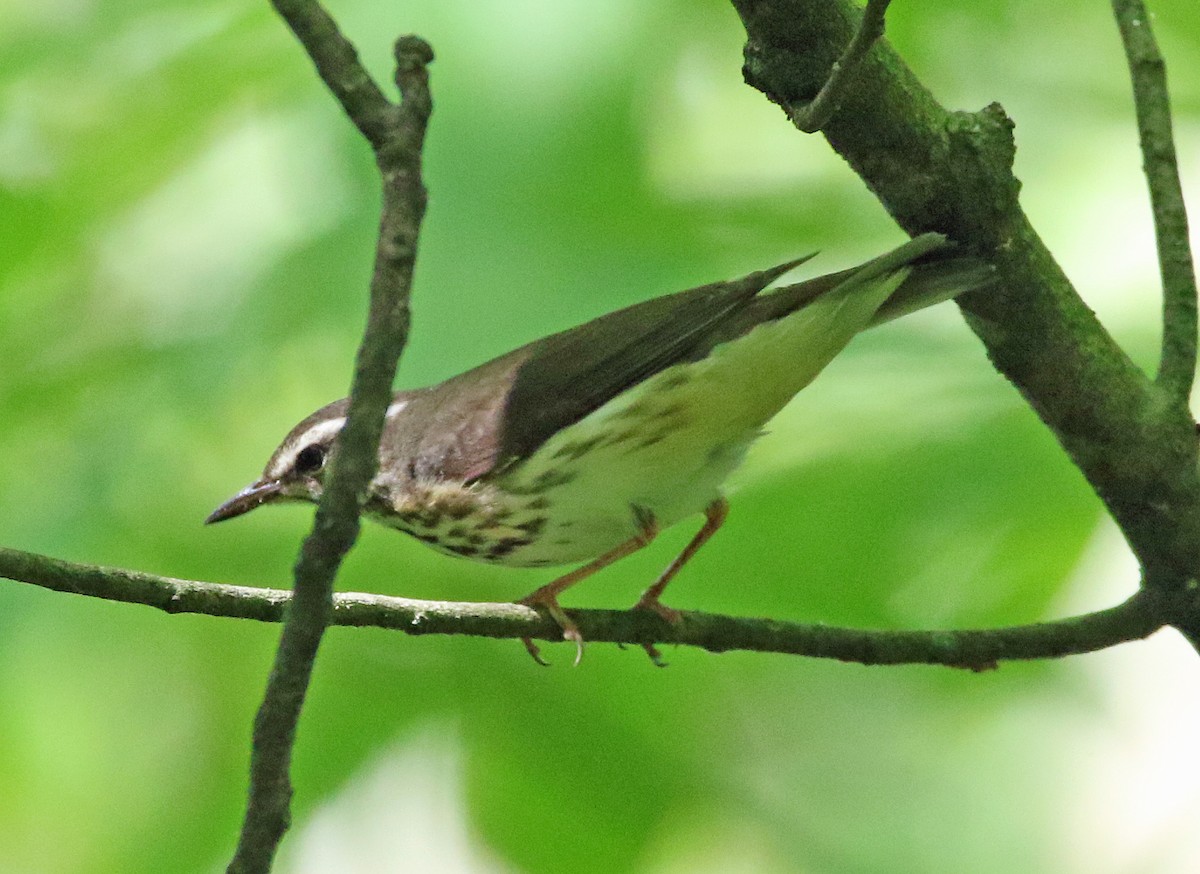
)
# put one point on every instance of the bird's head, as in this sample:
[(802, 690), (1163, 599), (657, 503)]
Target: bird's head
[(296, 468)]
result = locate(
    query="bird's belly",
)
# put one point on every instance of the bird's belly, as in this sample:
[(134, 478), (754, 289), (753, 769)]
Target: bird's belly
[(566, 509), (514, 530), (600, 498)]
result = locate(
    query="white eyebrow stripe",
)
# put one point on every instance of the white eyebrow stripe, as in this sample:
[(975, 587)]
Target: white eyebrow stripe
[(320, 432)]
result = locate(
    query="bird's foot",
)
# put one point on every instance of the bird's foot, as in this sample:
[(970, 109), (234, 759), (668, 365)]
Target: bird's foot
[(649, 601), (570, 630)]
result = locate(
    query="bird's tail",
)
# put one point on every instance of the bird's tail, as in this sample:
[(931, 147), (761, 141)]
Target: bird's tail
[(927, 267), (934, 280)]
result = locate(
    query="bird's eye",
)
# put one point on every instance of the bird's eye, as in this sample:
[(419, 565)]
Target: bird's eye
[(310, 459)]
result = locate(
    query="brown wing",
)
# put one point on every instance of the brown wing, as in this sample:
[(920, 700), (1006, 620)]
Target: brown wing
[(567, 376)]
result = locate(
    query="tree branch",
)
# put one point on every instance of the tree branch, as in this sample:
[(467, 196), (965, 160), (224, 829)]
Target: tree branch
[(952, 172), (338, 66), (1177, 365), (813, 116), (977, 649), (397, 134)]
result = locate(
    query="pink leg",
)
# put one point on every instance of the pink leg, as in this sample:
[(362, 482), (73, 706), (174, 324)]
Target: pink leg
[(714, 517)]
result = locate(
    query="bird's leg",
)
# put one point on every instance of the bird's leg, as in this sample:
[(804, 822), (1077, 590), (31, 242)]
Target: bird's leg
[(714, 517), (547, 595)]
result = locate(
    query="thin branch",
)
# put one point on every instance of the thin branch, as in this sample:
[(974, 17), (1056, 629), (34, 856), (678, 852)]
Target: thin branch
[(397, 135), (1136, 618), (811, 117), (1177, 365), (337, 64)]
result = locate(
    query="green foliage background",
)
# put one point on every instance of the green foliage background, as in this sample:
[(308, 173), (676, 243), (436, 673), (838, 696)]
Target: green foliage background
[(186, 228)]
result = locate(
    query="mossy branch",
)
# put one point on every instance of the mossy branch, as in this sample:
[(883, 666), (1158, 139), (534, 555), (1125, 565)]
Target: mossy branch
[(974, 649)]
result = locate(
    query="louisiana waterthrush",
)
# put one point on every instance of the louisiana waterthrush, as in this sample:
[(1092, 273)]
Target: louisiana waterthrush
[(582, 445)]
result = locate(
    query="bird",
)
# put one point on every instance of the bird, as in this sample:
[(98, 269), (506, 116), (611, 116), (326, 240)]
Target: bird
[(581, 446)]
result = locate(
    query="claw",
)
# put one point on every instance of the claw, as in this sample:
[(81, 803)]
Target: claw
[(655, 655), (570, 630), (578, 638), (534, 652)]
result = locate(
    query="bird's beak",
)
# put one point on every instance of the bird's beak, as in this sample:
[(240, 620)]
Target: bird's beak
[(247, 499)]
